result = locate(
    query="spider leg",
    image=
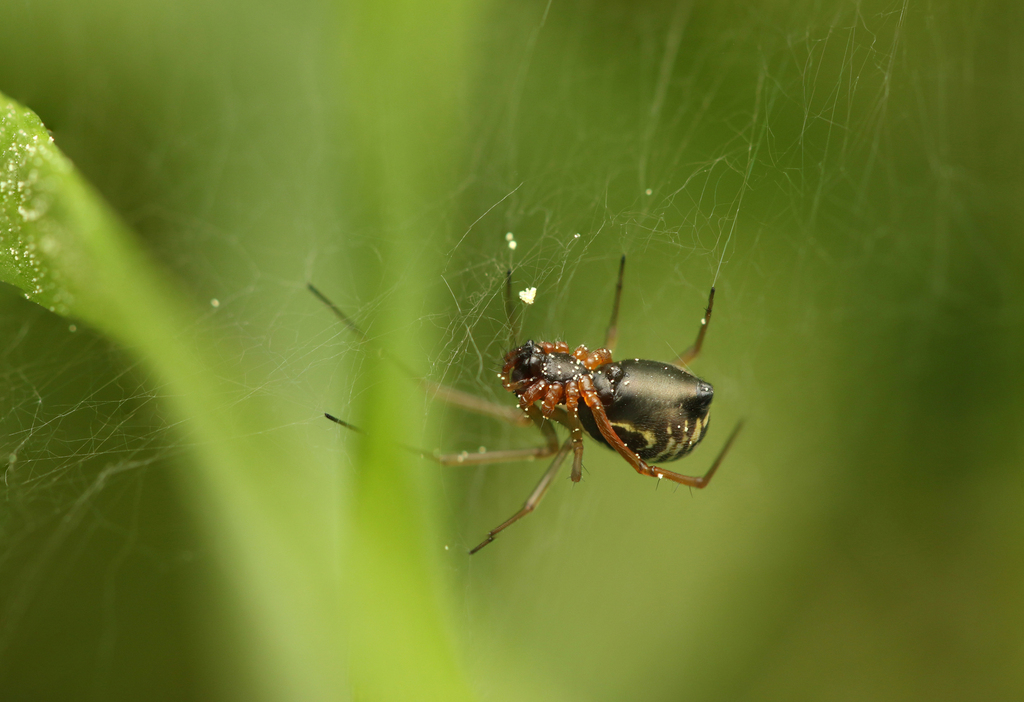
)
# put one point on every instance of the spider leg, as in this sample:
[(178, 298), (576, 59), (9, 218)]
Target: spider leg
[(577, 448), (552, 396), (532, 393), (472, 403), (352, 427), (691, 353), (475, 459), (449, 395), (612, 336), (355, 329), (480, 459), (478, 405), (342, 422), (533, 500), (337, 312), (572, 421), (484, 457), (641, 466)]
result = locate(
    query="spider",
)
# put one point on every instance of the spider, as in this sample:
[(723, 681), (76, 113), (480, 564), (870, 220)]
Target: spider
[(643, 410)]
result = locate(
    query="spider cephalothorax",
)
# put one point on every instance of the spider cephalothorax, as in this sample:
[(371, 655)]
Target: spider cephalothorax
[(548, 373)]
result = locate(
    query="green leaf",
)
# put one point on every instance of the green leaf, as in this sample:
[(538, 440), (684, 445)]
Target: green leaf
[(268, 505)]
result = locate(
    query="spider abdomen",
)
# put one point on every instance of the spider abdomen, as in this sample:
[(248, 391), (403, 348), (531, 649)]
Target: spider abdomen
[(658, 410)]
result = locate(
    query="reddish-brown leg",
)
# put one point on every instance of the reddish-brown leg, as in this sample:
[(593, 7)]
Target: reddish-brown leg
[(605, 427), (572, 421), (692, 352), (553, 346), (592, 359), (533, 500), (552, 396), (533, 393)]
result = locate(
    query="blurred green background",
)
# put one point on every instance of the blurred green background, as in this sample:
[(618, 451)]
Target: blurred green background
[(850, 177)]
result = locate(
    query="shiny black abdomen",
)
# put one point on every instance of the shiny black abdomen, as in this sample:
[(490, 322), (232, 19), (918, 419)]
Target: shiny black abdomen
[(658, 410)]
